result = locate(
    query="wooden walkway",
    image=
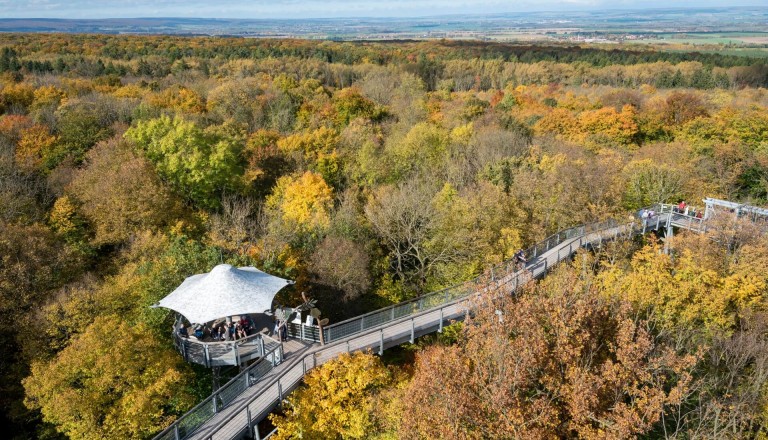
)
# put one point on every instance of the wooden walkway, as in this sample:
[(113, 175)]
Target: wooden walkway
[(292, 350), (253, 405), (392, 326)]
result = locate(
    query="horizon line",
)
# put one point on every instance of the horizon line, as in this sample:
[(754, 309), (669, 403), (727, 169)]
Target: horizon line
[(492, 14)]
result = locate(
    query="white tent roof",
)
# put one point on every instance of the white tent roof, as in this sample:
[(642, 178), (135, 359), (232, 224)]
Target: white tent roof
[(224, 291)]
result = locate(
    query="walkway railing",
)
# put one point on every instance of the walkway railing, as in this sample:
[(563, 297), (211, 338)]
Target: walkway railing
[(391, 326), (352, 326), (271, 356), (402, 322), (666, 215), (219, 353)]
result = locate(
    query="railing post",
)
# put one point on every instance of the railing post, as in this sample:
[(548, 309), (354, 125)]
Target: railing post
[(176, 432), (184, 350), (261, 345), (248, 417), (256, 433), (381, 342), (413, 330), (362, 323), (215, 403), (279, 392), (440, 328), (207, 356), (392, 318), (237, 353)]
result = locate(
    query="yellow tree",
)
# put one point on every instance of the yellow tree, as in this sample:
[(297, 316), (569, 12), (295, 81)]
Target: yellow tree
[(315, 150), (35, 143), (303, 201), (609, 126), (337, 401), (689, 294), (298, 212), (115, 380)]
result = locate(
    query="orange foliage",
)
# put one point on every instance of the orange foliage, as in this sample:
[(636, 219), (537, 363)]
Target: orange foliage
[(34, 143)]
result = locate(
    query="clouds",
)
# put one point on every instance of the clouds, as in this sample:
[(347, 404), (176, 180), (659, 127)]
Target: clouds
[(315, 8)]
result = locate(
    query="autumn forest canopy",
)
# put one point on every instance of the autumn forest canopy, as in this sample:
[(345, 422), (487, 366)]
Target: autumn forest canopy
[(373, 173)]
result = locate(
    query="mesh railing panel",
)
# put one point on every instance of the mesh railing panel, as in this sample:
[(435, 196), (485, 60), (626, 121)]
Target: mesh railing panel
[(195, 418), (376, 319), (200, 414), (231, 390)]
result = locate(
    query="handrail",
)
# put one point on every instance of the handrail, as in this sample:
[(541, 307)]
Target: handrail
[(207, 353), (192, 420), (214, 343), (530, 268), (533, 252)]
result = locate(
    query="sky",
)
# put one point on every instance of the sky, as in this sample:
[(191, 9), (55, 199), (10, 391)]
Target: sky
[(322, 8)]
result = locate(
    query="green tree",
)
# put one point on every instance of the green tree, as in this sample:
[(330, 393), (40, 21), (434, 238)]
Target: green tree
[(199, 164), (649, 183), (79, 126)]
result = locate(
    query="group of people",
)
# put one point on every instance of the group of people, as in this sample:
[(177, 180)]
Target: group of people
[(648, 214), (683, 208), (680, 208), (224, 331)]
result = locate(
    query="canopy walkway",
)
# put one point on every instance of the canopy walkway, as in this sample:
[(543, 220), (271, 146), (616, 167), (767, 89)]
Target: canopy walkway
[(235, 409)]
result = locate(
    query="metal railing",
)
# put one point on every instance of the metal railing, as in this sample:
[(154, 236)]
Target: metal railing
[(219, 353), (666, 215), (271, 356), (349, 327), (405, 321)]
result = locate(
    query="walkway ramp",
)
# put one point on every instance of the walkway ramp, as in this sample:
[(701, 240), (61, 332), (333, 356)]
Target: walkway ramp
[(260, 388)]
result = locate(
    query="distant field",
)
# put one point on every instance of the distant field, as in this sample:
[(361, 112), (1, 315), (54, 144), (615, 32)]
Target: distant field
[(717, 38)]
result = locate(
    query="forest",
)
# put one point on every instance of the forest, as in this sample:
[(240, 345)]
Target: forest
[(371, 173)]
